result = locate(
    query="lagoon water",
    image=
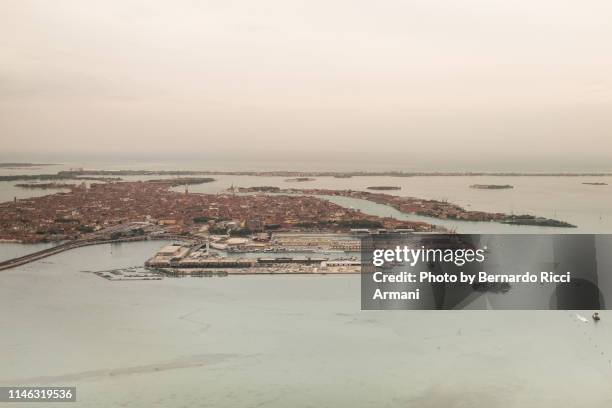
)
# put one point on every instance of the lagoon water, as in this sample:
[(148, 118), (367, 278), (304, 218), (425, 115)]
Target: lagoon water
[(301, 341), (279, 341), (10, 250)]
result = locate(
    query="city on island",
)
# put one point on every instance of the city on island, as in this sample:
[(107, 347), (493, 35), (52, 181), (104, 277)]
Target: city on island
[(239, 231)]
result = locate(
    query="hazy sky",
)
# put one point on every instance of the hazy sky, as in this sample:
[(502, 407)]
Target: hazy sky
[(414, 76)]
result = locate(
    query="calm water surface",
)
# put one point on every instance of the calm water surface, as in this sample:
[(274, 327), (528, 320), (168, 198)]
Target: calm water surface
[(9, 250), (280, 341)]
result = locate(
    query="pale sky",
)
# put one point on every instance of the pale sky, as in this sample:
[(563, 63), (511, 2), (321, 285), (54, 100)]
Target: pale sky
[(469, 77)]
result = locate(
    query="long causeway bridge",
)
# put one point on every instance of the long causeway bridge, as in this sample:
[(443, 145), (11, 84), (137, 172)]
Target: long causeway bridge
[(35, 256)]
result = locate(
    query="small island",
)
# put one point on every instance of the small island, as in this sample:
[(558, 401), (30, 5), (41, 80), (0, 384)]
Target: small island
[(533, 220), (301, 179), (383, 188), (45, 186), (491, 186), (183, 181), (595, 183), (23, 165), (257, 189)]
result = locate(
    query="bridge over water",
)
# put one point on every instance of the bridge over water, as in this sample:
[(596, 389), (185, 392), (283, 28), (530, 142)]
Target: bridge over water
[(66, 246)]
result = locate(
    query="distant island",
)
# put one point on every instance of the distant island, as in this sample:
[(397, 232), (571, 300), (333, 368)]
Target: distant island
[(595, 184), (183, 181), (295, 175), (537, 221), (301, 179), (58, 176), (382, 188), (491, 186), (19, 165), (45, 186), (258, 189), (412, 205)]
